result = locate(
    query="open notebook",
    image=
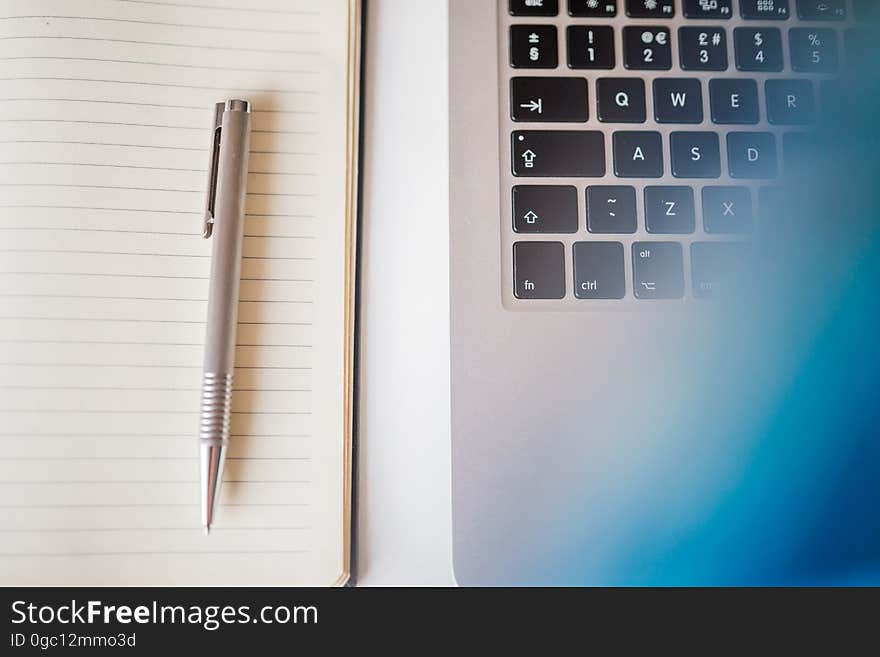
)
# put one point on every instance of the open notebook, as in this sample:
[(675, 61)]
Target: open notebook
[(106, 110)]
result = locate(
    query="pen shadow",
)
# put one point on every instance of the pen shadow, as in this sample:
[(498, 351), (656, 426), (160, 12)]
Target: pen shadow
[(254, 321)]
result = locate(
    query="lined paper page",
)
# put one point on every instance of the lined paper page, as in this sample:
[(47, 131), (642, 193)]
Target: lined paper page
[(105, 117)]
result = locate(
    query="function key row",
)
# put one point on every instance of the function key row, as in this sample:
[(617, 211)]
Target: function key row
[(639, 154), (732, 101), (612, 209), (813, 10), (649, 48), (539, 271)]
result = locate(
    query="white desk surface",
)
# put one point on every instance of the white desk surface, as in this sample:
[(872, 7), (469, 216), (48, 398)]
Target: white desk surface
[(404, 507)]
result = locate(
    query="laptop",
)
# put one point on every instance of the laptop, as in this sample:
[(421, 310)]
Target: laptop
[(653, 376)]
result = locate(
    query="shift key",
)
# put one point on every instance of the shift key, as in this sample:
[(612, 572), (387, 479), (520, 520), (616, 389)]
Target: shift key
[(558, 153)]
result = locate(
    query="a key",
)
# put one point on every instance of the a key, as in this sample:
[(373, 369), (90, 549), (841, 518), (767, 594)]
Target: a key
[(822, 10), (719, 269), (545, 209), (611, 209), (764, 10), (599, 270), (558, 153), (650, 8), (695, 154), (658, 270), (539, 270), (758, 49), (678, 100), (592, 8), (790, 102), (669, 210), (533, 46), (751, 154), (621, 100), (702, 49), (533, 7), (727, 210), (647, 48), (734, 101), (813, 50), (708, 8), (548, 99), (591, 46), (638, 154)]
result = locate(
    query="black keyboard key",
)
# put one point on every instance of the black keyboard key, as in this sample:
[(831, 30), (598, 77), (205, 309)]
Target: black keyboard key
[(695, 154), (702, 49), (533, 7), (599, 270), (650, 8), (545, 209), (647, 48), (751, 154), (658, 270), (764, 10), (533, 46), (867, 10), (861, 46), (558, 153), (772, 203), (591, 46), (734, 101), (758, 49), (727, 210), (678, 100), (719, 269), (799, 153), (548, 99), (669, 210), (621, 100), (539, 270), (822, 10), (790, 102), (638, 154), (708, 8), (813, 50), (592, 8), (611, 209)]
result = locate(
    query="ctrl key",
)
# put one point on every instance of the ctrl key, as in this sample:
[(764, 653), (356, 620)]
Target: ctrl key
[(539, 270), (658, 270)]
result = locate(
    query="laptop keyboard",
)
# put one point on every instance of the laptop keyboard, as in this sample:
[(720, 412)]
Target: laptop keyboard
[(639, 137)]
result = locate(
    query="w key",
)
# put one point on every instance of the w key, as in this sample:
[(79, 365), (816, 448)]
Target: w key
[(558, 153)]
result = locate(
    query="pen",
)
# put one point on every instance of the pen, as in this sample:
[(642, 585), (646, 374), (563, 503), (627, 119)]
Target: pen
[(224, 223)]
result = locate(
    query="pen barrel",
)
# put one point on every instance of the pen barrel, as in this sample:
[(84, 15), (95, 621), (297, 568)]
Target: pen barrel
[(223, 295)]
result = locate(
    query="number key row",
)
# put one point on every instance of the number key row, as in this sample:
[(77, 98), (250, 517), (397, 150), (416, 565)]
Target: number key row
[(813, 50)]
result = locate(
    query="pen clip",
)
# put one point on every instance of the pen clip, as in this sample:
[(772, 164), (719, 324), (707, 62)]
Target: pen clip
[(208, 221)]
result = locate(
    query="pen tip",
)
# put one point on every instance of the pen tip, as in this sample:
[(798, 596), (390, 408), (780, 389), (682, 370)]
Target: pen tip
[(207, 530)]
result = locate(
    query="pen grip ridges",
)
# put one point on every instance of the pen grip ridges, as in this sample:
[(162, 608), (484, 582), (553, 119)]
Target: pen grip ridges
[(216, 408)]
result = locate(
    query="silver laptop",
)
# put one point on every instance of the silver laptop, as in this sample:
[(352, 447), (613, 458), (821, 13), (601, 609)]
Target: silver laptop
[(619, 376)]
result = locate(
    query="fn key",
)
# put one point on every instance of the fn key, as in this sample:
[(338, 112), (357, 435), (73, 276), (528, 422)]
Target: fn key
[(539, 270)]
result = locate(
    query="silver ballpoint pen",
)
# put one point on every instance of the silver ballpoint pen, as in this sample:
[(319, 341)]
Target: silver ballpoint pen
[(224, 223)]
